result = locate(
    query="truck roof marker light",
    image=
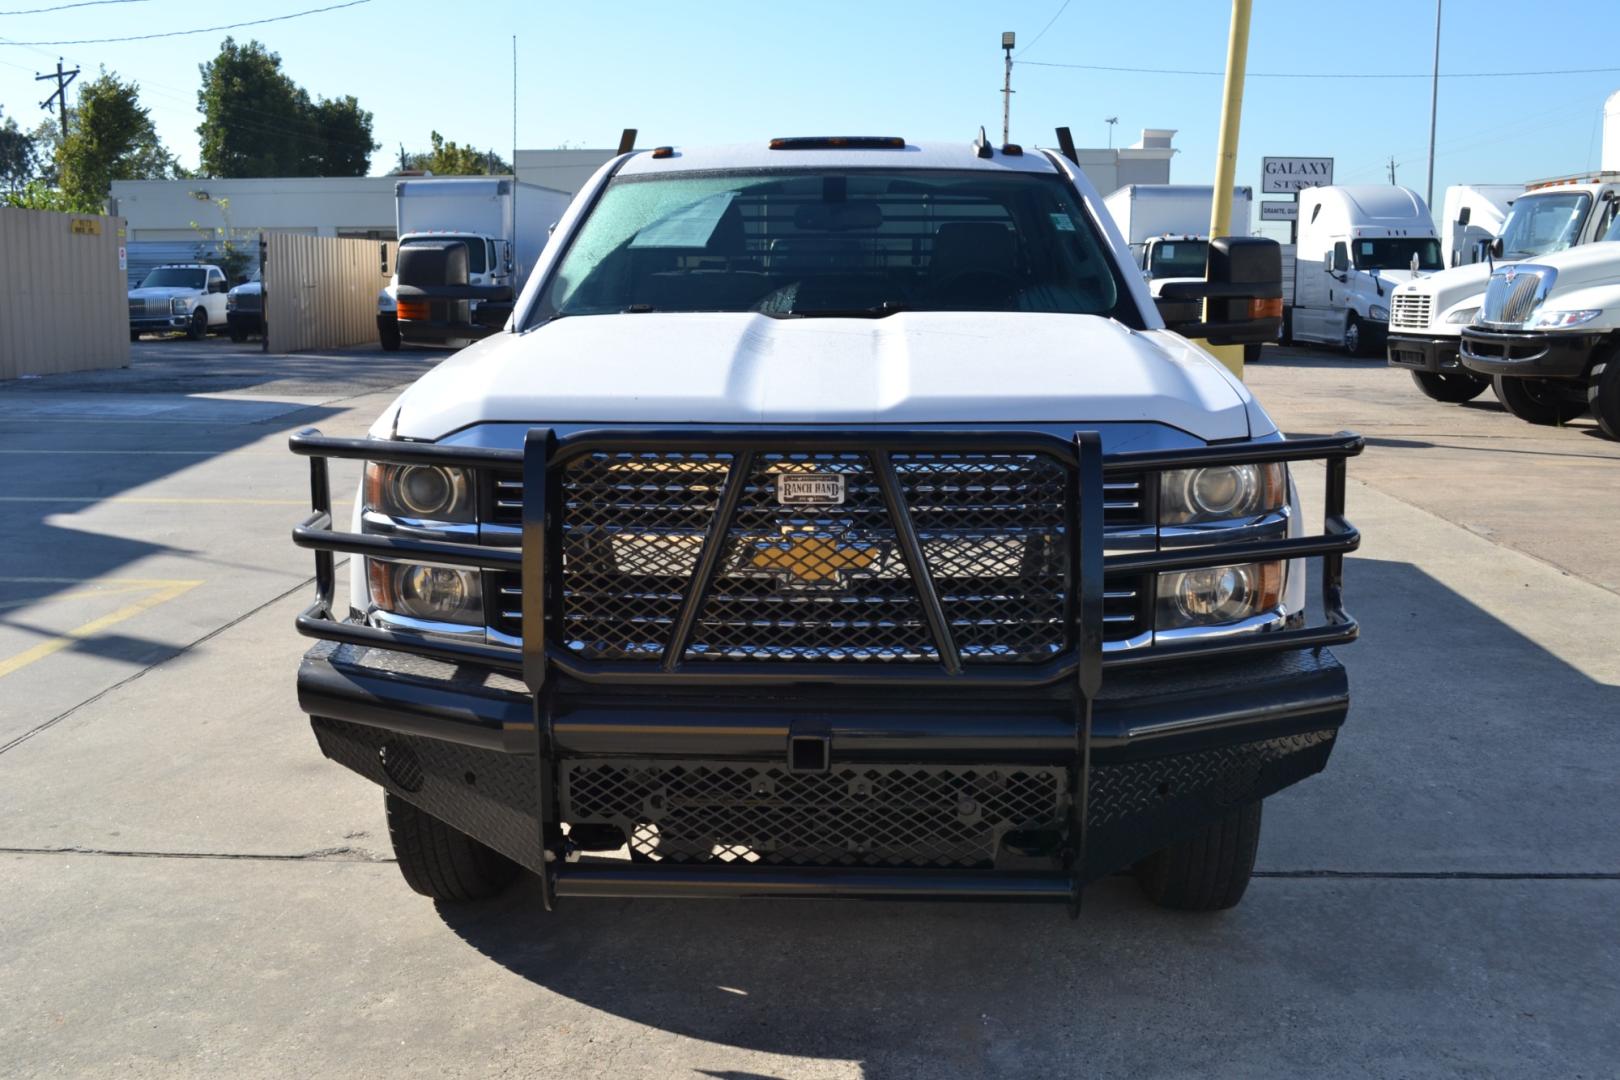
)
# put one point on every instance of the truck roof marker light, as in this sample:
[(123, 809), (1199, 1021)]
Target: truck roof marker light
[(839, 142), (1012, 149), (661, 152)]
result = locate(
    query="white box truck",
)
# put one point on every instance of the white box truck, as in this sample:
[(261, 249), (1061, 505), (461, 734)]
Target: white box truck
[(486, 232), (1472, 216), (1167, 225), (1427, 315), (1356, 244)]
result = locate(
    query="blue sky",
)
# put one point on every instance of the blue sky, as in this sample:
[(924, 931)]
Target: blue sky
[(702, 71)]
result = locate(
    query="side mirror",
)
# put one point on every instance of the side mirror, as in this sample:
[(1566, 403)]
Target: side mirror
[(1496, 247), (1464, 214), (1327, 262), (382, 255), (1374, 270), (1243, 290)]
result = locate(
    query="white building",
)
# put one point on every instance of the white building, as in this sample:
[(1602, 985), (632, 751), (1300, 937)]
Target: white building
[(200, 211)]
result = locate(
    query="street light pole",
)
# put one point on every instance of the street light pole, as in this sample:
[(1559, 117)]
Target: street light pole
[(1111, 121), (1434, 100), (1008, 39)]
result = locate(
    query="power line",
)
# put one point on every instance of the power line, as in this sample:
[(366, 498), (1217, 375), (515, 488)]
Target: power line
[(1331, 74), (200, 30), (64, 7), (1044, 29)]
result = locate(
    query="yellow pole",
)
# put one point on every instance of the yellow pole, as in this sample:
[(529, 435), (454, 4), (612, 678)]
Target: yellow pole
[(1220, 218)]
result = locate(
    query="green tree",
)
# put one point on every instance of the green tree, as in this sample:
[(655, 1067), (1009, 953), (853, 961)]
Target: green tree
[(109, 137), (258, 122), (453, 159), (19, 157)]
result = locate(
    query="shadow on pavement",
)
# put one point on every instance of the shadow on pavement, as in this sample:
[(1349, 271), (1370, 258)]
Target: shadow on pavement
[(1438, 769)]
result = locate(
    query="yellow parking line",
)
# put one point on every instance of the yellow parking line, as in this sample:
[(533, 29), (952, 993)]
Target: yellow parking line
[(74, 595), (94, 626)]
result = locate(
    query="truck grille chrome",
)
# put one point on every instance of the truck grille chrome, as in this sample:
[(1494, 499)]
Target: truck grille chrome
[(825, 583), (1410, 311), (1513, 293)]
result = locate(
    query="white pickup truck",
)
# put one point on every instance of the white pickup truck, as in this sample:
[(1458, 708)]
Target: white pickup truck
[(179, 296), (834, 517)]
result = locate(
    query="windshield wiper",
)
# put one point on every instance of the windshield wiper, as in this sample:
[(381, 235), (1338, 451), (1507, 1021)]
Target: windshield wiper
[(877, 311)]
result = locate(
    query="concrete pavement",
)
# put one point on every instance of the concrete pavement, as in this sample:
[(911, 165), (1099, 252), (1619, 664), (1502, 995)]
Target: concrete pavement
[(188, 888)]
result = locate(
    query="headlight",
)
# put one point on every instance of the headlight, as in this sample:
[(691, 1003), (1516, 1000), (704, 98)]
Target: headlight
[(180, 305), (436, 593), (1221, 493), (230, 301), (1378, 313), (1217, 595), (1462, 316), (1558, 320), (429, 492)]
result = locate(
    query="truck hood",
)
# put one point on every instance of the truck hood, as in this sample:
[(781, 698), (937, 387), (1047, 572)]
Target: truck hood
[(1449, 287), (1587, 264), (908, 368)]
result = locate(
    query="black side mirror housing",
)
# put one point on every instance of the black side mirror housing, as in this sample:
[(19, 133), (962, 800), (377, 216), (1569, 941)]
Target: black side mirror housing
[(1243, 287), (1496, 247)]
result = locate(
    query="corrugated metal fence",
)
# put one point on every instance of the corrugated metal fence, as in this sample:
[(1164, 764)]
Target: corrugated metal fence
[(63, 304), (321, 291)]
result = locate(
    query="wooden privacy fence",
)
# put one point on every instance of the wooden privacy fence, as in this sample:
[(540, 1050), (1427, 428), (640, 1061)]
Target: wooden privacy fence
[(321, 291), (64, 304)]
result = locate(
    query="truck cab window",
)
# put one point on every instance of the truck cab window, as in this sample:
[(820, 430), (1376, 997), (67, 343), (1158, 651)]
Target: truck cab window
[(849, 242)]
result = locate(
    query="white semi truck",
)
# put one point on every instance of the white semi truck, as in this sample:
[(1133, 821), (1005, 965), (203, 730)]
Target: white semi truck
[(497, 227), (1167, 225), (1356, 245), (1471, 217), (1428, 314)]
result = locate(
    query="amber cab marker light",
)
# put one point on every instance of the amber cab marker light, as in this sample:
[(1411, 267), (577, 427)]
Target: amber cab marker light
[(1270, 308), (416, 310), (663, 152)]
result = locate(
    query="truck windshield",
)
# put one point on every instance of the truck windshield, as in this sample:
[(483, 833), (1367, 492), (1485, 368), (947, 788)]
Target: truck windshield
[(1179, 259), (1395, 253), (174, 277), (1543, 224), (847, 242), (477, 262)]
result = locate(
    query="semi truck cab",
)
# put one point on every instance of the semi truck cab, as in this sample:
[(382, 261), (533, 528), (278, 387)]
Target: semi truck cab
[(1356, 246), (1427, 315)]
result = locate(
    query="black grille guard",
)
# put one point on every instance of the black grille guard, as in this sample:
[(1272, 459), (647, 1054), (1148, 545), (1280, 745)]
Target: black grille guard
[(544, 454)]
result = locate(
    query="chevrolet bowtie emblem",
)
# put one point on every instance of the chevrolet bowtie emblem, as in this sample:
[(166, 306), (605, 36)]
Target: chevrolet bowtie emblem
[(814, 560)]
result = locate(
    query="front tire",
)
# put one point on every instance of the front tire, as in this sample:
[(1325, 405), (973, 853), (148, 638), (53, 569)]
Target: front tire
[(238, 334), (1450, 387), (199, 326), (1352, 335), (388, 333), (1535, 401), (441, 863), (1209, 870), (1603, 394)]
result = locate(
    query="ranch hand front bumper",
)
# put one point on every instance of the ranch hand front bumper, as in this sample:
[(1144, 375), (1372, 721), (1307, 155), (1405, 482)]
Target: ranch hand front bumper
[(791, 777)]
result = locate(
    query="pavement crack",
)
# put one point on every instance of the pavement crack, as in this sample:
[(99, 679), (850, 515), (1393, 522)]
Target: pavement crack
[(331, 854), (181, 651)]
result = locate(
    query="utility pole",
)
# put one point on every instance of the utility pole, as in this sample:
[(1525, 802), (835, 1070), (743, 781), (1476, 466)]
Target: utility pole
[(1434, 99), (1226, 152), (62, 79), (1008, 40), (402, 158), (1111, 121), (1392, 168)]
